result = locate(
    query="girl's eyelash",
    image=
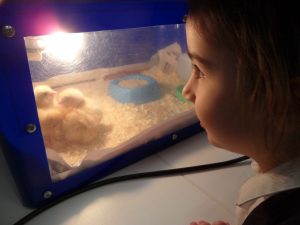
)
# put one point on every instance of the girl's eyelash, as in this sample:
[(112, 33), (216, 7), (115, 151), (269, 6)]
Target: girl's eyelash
[(198, 74)]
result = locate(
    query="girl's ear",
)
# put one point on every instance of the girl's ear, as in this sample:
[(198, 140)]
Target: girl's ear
[(295, 86)]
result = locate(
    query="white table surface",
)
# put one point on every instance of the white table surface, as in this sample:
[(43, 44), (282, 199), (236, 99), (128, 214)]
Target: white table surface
[(175, 200)]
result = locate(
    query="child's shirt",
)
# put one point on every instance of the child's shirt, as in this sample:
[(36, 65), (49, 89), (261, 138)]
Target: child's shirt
[(262, 186)]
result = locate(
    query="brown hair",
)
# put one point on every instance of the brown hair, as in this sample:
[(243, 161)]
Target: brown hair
[(264, 36)]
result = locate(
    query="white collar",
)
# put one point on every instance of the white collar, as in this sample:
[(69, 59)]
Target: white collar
[(284, 177)]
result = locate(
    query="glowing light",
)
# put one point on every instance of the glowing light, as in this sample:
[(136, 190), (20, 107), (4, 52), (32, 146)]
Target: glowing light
[(62, 46)]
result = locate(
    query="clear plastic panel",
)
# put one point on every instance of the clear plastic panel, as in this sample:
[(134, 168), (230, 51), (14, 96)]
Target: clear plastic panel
[(100, 94)]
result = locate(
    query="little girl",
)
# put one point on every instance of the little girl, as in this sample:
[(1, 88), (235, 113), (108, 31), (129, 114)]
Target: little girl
[(245, 86)]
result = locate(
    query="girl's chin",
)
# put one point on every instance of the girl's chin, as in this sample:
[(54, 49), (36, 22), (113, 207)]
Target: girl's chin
[(212, 141), (201, 125)]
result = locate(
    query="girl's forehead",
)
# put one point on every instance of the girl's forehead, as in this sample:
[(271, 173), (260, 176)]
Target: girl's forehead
[(201, 35), (198, 30), (198, 38), (193, 31), (191, 25)]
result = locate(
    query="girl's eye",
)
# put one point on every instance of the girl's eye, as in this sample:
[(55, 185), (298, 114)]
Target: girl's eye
[(198, 74)]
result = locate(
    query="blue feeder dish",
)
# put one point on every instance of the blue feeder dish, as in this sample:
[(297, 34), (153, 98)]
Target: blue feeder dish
[(148, 91)]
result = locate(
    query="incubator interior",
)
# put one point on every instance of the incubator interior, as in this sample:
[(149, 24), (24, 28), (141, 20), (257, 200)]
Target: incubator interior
[(100, 94)]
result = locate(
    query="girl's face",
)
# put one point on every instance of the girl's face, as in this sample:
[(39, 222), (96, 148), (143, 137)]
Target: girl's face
[(211, 87)]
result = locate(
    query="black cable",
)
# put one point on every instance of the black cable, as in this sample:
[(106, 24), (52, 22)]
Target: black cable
[(135, 176)]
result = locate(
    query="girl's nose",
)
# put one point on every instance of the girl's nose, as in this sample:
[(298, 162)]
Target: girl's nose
[(188, 92)]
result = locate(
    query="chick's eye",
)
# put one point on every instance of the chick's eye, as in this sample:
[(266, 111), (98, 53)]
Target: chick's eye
[(197, 73)]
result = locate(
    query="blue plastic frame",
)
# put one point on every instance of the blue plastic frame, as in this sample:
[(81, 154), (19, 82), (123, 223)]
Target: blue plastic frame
[(25, 151)]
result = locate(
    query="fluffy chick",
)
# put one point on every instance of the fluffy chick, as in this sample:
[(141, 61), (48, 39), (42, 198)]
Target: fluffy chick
[(81, 127), (71, 98), (44, 96), (50, 115), (82, 121), (51, 123)]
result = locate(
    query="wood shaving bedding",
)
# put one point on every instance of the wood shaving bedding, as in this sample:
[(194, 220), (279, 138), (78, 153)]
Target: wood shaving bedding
[(122, 122)]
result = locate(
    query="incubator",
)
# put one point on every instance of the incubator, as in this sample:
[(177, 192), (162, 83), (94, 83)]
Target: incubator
[(98, 90)]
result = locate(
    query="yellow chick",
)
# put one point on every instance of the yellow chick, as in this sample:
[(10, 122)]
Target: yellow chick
[(71, 98), (82, 121), (44, 96), (51, 123), (81, 127), (50, 115)]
